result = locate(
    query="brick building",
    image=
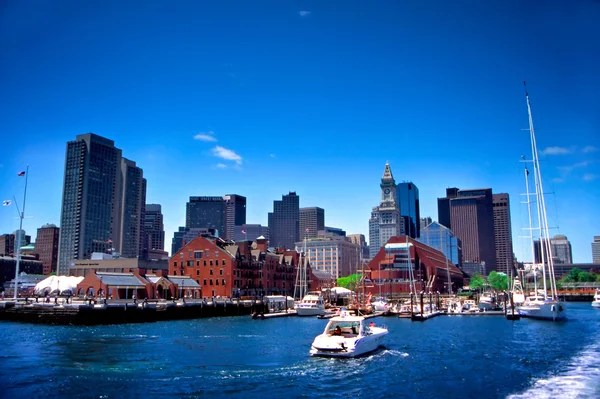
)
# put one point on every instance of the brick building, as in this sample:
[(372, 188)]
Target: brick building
[(224, 268), (391, 265), (46, 246)]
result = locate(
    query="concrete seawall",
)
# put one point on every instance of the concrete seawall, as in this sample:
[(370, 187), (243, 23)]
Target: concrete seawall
[(119, 313)]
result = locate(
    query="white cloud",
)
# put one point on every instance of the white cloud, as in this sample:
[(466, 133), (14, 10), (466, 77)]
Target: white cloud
[(221, 166), (227, 154), (556, 151), (589, 177), (205, 136), (272, 155), (304, 13), (589, 148)]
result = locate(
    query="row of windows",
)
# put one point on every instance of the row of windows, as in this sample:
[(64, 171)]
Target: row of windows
[(190, 263)]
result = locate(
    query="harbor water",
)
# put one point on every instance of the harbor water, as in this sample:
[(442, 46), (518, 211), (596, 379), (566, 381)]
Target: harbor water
[(449, 357)]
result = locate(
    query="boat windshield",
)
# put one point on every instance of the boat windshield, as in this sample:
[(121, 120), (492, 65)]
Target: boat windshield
[(347, 327)]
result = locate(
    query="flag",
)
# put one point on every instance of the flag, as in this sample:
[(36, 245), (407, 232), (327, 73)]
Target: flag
[(22, 173), (243, 231), (527, 171), (6, 203), (109, 241), (307, 229)]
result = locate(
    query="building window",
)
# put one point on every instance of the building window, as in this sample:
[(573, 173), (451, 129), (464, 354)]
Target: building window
[(198, 263), (181, 255), (204, 263), (175, 272), (190, 254), (197, 272), (198, 254), (175, 263), (211, 272), (220, 272), (223, 281), (217, 253), (223, 262), (190, 263), (217, 282), (211, 262), (211, 282), (204, 282)]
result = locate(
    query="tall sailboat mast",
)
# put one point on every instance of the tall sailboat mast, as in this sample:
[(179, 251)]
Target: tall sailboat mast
[(546, 248), (19, 235)]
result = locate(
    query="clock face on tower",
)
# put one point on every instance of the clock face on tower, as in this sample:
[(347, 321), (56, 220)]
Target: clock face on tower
[(386, 191)]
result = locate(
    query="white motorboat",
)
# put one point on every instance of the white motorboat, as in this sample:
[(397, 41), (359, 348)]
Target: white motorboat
[(596, 302), (312, 304), (487, 301), (348, 336), (380, 305)]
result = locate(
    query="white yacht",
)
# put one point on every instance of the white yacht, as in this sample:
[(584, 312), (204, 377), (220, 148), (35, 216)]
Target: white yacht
[(380, 305), (312, 304), (596, 302), (348, 336)]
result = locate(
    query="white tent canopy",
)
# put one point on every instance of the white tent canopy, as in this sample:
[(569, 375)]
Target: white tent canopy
[(57, 285), (341, 291)]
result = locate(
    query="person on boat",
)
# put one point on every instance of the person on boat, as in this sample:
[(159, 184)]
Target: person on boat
[(337, 331)]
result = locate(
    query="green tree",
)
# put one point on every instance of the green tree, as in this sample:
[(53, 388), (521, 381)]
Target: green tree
[(477, 281), (350, 282), (498, 281), (573, 275), (586, 277)]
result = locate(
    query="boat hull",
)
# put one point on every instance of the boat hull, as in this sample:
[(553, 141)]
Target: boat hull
[(596, 304), (310, 311), (553, 310), (324, 346)]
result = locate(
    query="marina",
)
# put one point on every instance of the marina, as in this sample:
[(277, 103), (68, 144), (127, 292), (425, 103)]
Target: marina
[(240, 357)]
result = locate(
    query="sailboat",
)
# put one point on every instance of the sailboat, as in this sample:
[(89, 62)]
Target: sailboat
[(548, 307)]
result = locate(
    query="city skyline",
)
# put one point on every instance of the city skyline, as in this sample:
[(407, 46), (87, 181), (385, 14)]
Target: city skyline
[(399, 83)]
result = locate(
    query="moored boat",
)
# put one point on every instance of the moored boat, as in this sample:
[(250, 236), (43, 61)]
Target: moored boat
[(596, 302), (312, 304), (348, 336)]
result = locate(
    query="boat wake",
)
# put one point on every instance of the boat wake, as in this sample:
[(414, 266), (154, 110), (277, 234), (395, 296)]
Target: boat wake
[(581, 379)]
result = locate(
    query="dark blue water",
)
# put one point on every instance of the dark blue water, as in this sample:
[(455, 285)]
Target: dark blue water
[(450, 357)]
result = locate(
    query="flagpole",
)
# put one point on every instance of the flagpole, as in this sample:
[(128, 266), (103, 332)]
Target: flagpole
[(21, 216)]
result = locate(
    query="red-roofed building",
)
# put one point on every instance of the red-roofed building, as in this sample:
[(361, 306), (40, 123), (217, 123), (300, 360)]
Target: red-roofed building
[(390, 268)]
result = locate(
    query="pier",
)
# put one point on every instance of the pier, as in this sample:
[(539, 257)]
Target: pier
[(120, 312)]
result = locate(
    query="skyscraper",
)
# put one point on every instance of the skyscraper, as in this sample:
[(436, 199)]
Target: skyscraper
[(154, 229), (438, 236), (250, 232), (560, 247), (46, 246), (128, 234), (472, 220), (359, 239), (444, 207), (385, 221), (596, 250), (235, 214), (407, 198), (426, 221), (91, 202), (206, 212), (311, 221), (502, 232), (284, 221)]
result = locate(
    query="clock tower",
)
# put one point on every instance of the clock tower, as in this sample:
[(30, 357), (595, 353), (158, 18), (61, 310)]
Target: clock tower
[(385, 221)]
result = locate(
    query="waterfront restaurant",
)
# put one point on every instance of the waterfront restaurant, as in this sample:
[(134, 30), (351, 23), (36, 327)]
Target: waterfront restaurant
[(401, 257)]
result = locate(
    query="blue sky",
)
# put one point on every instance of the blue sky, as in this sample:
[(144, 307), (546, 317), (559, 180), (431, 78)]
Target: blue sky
[(307, 96)]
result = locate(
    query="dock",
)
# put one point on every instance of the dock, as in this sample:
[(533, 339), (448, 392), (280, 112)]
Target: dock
[(426, 316)]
